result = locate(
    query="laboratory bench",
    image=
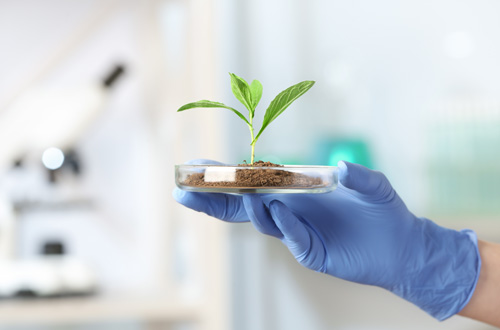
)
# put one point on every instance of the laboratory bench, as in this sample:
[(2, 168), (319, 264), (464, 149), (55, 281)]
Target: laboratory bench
[(154, 313)]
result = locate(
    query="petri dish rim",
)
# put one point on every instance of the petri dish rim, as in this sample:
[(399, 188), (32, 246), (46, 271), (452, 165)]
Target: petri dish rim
[(262, 190)]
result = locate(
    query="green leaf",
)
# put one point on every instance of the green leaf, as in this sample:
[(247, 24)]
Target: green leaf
[(256, 91), (242, 92), (282, 101), (211, 104)]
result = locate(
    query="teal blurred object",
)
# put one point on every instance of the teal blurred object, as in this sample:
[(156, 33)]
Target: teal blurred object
[(330, 150)]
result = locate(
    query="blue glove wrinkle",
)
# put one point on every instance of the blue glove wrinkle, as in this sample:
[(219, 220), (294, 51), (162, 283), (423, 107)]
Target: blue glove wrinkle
[(300, 238), (318, 260), (234, 210), (259, 215), (295, 235)]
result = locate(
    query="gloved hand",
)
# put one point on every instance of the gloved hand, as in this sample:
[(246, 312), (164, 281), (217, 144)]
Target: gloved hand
[(225, 207), (362, 232)]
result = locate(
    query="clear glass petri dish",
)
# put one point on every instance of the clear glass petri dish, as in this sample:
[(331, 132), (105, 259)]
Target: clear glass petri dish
[(243, 180)]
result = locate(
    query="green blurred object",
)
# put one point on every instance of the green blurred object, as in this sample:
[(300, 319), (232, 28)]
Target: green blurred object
[(329, 151)]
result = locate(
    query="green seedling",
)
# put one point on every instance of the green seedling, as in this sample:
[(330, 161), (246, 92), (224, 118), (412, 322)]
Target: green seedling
[(249, 96)]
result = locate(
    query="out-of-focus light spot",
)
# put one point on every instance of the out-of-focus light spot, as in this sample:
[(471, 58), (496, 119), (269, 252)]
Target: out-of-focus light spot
[(459, 45), (53, 158)]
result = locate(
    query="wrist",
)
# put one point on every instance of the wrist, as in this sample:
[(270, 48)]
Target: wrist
[(442, 276), (485, 300)]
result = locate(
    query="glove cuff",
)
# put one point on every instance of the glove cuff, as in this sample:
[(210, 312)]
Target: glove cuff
[(473, 237), (448, 278)]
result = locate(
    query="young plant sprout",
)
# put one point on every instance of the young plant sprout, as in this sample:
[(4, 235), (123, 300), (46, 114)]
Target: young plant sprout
[(249, 96)]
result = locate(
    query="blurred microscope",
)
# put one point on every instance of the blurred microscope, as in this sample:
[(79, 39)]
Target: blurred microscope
[(40, 170)]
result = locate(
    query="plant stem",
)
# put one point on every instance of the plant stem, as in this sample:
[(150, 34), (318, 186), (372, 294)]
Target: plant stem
[(252, 136), (253, 153)]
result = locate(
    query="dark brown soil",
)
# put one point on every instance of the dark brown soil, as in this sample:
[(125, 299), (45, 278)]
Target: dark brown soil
[(258, 178)]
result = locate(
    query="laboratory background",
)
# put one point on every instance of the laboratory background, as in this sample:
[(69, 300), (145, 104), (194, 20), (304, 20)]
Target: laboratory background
[(90, 236)]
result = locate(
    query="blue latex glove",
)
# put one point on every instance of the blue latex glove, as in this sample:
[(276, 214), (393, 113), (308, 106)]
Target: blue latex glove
[(362, 232)]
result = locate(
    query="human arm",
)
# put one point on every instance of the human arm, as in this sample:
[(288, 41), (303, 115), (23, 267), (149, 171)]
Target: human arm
[(484, 305), (362, 232)]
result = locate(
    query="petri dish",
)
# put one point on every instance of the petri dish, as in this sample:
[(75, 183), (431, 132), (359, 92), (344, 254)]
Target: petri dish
[(285, 179)]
